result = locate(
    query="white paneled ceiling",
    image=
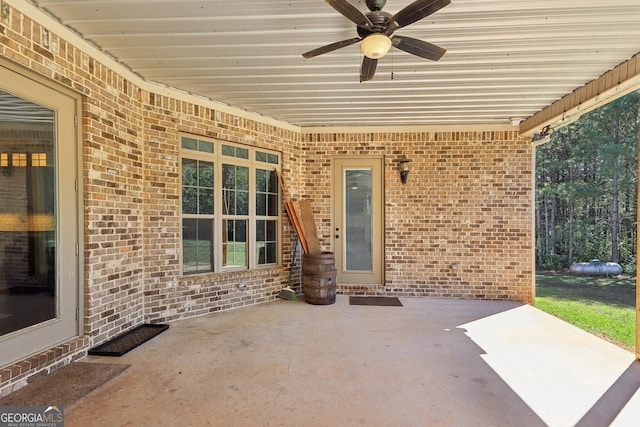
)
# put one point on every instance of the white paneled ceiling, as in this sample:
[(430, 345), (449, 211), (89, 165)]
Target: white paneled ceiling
[(505, 58)]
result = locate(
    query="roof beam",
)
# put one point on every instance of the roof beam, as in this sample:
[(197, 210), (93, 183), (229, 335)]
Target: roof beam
[(619, 81)]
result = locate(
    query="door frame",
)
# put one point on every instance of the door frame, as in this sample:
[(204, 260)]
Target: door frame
[(69, 263), (338, 165)]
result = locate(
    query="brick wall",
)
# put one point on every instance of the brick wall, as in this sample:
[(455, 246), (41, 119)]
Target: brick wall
[(113, 198), (168, 295), (460, 228), (131, 191)]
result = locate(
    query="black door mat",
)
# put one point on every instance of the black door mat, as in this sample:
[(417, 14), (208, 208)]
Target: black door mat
[(127, 341), (380, 301)]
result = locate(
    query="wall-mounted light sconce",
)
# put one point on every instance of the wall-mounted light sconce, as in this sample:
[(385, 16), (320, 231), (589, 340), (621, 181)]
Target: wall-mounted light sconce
[(403, 167), (543, 136)]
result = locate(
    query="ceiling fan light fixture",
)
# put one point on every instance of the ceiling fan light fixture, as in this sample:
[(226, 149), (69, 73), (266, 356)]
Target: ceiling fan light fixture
[(375, 45)]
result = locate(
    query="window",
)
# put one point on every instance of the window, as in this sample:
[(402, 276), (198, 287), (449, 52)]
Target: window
[(235, 215), (197, 215), (39, 159), (19, 159), (267, 203), (243, 232)]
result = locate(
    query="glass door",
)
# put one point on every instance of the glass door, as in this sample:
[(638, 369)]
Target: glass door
[(358, 220), (27, 217), (38, 298)]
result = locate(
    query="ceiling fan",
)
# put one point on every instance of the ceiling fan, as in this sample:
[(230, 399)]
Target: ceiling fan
[(375, 31)]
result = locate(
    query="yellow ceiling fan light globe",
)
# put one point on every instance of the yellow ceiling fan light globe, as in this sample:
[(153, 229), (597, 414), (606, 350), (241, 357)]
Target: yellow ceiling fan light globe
[(375, 46)]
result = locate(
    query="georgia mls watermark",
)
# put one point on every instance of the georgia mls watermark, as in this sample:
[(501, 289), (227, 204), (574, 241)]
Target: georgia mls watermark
[(31, 416)]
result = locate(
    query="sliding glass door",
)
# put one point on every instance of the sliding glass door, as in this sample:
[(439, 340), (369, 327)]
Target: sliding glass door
[(38, 217)]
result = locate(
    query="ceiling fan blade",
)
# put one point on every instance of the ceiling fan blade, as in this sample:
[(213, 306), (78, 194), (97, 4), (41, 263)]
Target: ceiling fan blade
[(418, 47), (350, 12), (330, 47), (416, 11), (368, 69)]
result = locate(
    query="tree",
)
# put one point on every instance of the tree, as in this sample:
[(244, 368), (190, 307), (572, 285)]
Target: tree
[(586, 188)]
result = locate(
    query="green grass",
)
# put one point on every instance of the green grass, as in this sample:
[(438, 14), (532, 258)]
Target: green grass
[(600, 305)]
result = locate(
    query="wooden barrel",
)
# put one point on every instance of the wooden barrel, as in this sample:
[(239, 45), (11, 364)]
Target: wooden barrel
[(319, 278)]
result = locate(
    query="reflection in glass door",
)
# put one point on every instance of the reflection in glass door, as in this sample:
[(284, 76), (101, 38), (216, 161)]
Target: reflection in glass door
[(27, 215), (358, 220)]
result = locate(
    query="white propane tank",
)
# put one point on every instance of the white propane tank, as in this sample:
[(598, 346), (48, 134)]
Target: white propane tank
[(595, 267)]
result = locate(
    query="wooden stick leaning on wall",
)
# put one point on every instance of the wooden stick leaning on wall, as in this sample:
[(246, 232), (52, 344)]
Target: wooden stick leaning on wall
[(309, 227), (293, 214)]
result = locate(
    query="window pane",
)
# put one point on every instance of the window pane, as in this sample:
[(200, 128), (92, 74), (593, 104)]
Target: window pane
[(228, 150), (272, 158), (189, 200), (273, 183), (261, 204), (205, 180), (197, 241), (242, 186), (261, 232), (239, 152), (189, 172), (242, 203), (189, 183), (273, 205), (272, 257), (190, 143), (197, 186), (266, 245), (261, 157), (197, 145), (242, 178), (234, 246), (204, 231), (228, 176), (272, 230), (205, 245), (235, 182), (266, 193), (242, 153), (205, 174), (205, 201), (261, 253), (229, 202), (266, 157), (241, 231), (205, 146), (357, 233), (228, 185), (261, 180)]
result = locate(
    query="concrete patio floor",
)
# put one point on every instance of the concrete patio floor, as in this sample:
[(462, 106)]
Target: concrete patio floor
[(429, 363)]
